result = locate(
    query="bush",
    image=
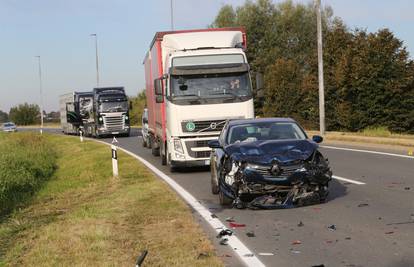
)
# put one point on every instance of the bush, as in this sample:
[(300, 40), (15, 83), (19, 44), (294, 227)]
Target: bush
[(26, 162)]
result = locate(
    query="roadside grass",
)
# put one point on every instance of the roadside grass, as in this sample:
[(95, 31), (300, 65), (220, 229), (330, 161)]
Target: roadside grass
[(27, 161), (84, 216)]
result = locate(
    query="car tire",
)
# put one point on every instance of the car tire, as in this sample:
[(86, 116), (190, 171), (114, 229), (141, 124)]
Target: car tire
[(224, 200)]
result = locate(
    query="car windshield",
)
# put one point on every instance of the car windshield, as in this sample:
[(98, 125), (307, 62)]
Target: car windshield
[(251, 132), (8, 124), (207, 86), (117, 106)]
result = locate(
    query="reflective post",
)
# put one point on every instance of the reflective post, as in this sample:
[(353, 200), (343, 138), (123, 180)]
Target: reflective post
[(81, 135), (114, 157)]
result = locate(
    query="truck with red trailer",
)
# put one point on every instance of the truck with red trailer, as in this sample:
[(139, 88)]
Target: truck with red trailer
[(195, 81)]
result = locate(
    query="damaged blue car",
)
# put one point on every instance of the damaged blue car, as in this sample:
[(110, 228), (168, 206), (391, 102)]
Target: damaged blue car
[(268, 163)]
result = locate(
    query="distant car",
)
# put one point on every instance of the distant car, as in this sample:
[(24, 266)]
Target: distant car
[(144, 130), (9, 127), (268, 163)]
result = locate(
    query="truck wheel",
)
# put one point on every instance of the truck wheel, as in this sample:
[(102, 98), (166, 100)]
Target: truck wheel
[(155, 150), (224, 200), (164, 156)]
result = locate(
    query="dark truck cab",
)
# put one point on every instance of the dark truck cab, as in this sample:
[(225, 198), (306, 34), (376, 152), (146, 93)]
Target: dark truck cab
[(110, 113)]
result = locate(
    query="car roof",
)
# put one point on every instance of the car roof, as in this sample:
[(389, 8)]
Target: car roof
[(259, 120)]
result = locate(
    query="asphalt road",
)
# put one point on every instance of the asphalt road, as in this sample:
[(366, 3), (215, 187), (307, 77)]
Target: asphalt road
[(374, 222)]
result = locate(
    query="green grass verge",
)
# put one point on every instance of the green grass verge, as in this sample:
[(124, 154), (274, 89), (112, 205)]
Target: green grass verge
[(27, 160), (84, 216)]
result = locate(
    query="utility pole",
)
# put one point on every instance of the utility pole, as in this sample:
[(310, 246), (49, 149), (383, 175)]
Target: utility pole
[(320, 70), (172, 15), (96, 58), (41, 96)]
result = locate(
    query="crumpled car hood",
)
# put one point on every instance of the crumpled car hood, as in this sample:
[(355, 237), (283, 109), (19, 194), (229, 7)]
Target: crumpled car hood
[(265, 152)]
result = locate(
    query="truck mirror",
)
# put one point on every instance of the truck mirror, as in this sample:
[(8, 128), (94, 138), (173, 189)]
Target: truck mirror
[(158, 87)]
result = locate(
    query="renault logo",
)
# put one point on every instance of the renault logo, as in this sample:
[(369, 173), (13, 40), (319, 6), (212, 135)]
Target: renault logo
[(275, 170)]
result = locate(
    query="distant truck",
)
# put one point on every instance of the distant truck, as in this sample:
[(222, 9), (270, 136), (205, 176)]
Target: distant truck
[(108, 113), (195, 81), (74, 110)]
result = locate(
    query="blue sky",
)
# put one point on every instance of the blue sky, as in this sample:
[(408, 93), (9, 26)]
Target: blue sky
[(58, 31)]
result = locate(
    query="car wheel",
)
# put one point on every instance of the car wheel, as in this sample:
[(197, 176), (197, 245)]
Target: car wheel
[(214, 179), (224, 200)]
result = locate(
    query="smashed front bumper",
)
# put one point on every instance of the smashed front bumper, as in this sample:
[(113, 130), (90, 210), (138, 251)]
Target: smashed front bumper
[(257, 188)]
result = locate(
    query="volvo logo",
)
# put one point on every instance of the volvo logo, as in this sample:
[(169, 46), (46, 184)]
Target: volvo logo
[(275, 170), (213, 125)]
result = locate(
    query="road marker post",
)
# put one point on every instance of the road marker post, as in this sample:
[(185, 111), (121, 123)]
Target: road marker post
[(114, 149), (81, 135)]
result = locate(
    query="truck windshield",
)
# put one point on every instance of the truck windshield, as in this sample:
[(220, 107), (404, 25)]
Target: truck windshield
[(234, 87), (117, 106)]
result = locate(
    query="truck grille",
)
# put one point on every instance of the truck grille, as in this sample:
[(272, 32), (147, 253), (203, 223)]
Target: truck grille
[(198, 144), (202, 126), (114, 123)]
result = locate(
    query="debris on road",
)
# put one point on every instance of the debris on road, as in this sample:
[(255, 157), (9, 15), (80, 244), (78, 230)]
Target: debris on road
[(224, 241), (295, 251), (266, 254), (389, 232), (250, 234), (296, 242), (332, 227), (224, 233), (319, 265), (214, 216), (348, 238), (230, 219), (249, 255), (236, 225), (300, 224), (363, 205), (407, 188)]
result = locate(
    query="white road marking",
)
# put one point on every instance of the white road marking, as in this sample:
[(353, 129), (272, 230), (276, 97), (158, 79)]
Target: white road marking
[(238, 247), (347, 180), (369, 151)]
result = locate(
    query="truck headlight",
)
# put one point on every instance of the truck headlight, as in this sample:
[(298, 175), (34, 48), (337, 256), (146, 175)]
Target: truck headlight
[(100, 119), (126, 118), (177, 146)]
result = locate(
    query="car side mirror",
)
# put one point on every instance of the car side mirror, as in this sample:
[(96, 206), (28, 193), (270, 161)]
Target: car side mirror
[(317, 138), (214, 144)]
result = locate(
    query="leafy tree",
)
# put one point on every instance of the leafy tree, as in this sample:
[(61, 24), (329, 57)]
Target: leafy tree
[(368, 76), (25, 114), (4, 117), (138, 103)]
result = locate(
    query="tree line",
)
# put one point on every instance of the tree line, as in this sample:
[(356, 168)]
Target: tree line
[(369, 76), (28, 114)]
